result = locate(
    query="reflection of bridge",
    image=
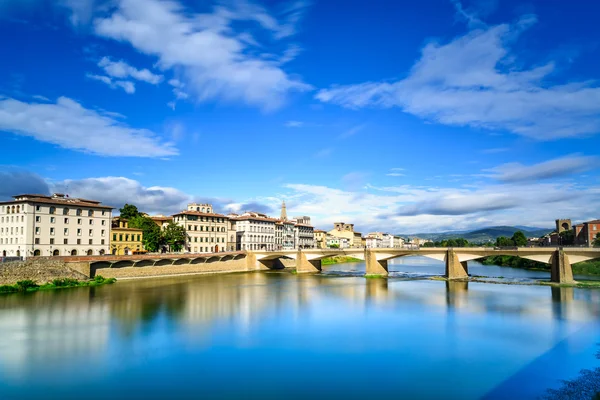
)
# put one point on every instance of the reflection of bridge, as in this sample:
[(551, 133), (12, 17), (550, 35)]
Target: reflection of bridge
[(309, 260)]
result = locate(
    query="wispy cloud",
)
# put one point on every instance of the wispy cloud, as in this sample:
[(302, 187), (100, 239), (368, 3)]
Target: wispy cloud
[(121, 70), (323, 153), (475, 80), (68, 124), (215, 61), (352, 131), (127, 86), (557, 168), (395, 174), (294, 124), (495, 150)]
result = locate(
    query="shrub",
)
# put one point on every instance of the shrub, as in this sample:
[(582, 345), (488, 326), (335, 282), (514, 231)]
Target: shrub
[(23, 286), (65, 282), (8, 289)]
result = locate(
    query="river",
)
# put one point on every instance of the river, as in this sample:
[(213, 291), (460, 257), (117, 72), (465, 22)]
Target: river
[(276, 335)]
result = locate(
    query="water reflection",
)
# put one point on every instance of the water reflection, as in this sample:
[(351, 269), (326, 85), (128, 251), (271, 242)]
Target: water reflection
[(409, 328)]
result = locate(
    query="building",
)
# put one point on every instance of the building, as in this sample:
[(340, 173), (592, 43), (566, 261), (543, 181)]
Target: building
[(563, 225), (206, 230), (125, 240), (398, 241), (337, 242), (372, 242), (285, 235), (320, 239), (57, 225), (254, 231), (304, 220), (304, 236), (379, 239), (161, 220), (586, 232), (343, 230)]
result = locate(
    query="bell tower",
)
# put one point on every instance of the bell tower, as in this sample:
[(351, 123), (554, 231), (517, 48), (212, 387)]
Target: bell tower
[(283, 211)]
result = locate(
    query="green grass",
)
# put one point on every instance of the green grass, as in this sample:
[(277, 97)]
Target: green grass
[(30, 286), (587, 268), (375, 276), (339, 260)]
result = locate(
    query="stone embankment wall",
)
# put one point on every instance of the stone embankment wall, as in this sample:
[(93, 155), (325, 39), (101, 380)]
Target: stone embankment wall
[(148, 271), (39, 270)]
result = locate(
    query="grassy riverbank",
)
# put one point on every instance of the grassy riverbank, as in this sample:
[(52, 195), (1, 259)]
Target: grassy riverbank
[(28, 285), (339, 260), (582, 268)]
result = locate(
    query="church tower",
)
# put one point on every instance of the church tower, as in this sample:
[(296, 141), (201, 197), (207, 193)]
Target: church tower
[(283, 211)]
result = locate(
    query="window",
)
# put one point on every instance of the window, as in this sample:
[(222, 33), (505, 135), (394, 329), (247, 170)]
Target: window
[(65, 241), (52, 231), (52, 220), (90, 213), (91, 232), (37, 219), (52, 210), (138, 238), (65, 211), (37, 240), (78, 232), (66, 220), (91, 222), (114, 237), (127, 238), (37, 230), (103, 222), (78, 221), (66, 231), (78, 241), (38, 208), (196, 239), (103, 212), (79, 211), (102, 242), (91, 241), (102, 232), (52, 241), (120, 237)]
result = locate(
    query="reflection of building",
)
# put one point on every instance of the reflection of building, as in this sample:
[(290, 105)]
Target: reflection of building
[(586, 232), (57, 225), (346, 231), (206, 231), (125, 240)]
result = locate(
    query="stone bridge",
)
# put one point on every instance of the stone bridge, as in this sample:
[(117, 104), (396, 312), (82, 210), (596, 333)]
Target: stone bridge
[(456, 259), (309, 260)]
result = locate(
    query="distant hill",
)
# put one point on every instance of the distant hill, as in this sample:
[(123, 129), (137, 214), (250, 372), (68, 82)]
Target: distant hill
[(485, 234)]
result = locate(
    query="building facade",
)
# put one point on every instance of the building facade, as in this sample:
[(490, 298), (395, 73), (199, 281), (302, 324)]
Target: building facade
[(57, 225), (125, 240), (320, 239), (206, 230), (304, 236), (343, 230), (254, 231), (586, 232)]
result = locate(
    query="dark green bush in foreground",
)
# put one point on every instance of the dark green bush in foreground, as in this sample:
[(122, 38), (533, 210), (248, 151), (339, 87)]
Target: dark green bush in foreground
[(30, 286)]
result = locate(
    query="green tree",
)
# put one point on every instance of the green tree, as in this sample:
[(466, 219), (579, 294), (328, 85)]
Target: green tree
[(174, 236), (503, 241), (429, 244), (596, 241), (461, 242), (152, 239), (519, 239), (129, 211), (567, 238)]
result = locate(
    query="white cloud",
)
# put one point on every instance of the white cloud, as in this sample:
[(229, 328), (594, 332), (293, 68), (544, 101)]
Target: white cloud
[(81, 10), (323, 153), (352, 131), (68, 124), (127, 86), (557, 168), (294, 124), (475, 80), (209, 55), (394, 174), (120, 69)]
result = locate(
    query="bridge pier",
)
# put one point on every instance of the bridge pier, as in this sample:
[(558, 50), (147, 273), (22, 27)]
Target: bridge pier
[(455, 269), (304, 265), (560, 270), (254, 264), (375, 266)]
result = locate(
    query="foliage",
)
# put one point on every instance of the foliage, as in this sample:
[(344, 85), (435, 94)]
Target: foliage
[(338, 260), (587, 268), (174, 236), (152, 238), (596, 242), (457, 242), (25, 285), (519, 239), (514, 262), (503, 241), (65, 282), (567, 238), (59, 283), (129, 211), (334, 246)]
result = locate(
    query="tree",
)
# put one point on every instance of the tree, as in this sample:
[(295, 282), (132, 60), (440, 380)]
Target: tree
[(503, 241), (519, 239), (152, 239), (567, 238), (429, 244), (596, 242), (174, 236), (129, 211)]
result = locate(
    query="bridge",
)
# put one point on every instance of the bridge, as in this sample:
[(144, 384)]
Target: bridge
[(456, 259), (309, 260)]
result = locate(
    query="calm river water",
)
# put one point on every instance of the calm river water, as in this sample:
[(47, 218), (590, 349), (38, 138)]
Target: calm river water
[(275, 335)]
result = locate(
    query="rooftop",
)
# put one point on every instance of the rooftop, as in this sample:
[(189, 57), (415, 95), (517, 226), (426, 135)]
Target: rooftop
[(57, 199)]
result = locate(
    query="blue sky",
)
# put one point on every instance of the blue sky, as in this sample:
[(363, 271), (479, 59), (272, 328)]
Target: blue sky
[(399, 116)]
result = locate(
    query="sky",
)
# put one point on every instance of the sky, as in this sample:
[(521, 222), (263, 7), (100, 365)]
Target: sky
[(403, 117)]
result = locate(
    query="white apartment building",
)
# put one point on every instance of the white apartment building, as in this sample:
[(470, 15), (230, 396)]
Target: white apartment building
[(304, 236), (206, 230), (254, 231), (57, 225)]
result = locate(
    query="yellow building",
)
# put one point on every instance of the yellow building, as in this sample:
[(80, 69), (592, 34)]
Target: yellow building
[(346, 231), (320, 239), (125, 240)]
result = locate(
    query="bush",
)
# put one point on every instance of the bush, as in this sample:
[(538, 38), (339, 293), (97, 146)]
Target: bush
[(65, 282), (8, 289), (23, 286)]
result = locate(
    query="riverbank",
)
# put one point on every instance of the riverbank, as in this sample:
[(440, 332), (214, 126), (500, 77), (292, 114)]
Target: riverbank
[(28, 285), (339, 260), (582, 268), (37, 270)]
